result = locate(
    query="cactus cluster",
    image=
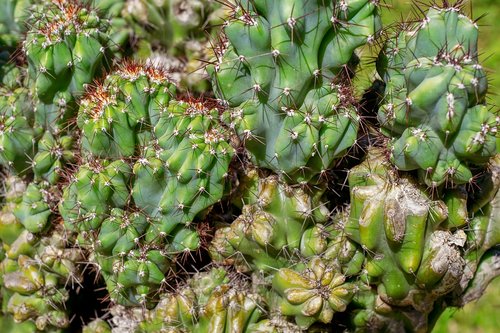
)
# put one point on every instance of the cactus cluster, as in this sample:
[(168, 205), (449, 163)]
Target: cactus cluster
[(38, 261), (257, 196)]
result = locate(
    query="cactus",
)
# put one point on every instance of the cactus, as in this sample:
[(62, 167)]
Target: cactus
[(434, 107), (277, 223), (38, 260), (126, 106), (213, 301), (284, 205), (281, 70), (66, 49), (127, 212), (178, 28), (313, 294), (398, 225), (18, 131)]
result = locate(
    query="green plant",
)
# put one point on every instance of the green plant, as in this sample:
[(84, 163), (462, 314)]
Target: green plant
[(282, 200)]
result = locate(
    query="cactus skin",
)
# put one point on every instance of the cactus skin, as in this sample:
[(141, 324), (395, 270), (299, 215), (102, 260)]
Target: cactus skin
[(163, 180), (92, 205), (53, 153), (188, 154), (182, 146), (190, 157), (94, 191), (66, 47), (434, 101), (277, 72), (26, 145), (97, 326), (370, 313), (280, 224), (398, 226), (133, 271), (167, 163)]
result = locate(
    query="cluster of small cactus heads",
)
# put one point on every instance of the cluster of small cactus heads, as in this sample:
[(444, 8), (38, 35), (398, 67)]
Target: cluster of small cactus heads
[(211, 166)]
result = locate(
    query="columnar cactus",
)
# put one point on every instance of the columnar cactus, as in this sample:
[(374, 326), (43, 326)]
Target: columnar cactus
[(66, 48), (434, 106), (115, 114), (284, 71), (398, 225), (126, 210)]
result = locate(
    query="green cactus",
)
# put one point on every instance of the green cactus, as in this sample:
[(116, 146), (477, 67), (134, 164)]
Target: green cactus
[(120, 113), (276, 225), (434, 109), (34, 211), (190, 157), (370, 313), (18, 133), (281, 69), (10, 227), (314, 293), (25, 145), (397, 224), (133, 270), (37, 266), (249, 212), (53, 153), (483, 236), (126, 210), (212, 301), (95, 189), (66, 47)]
